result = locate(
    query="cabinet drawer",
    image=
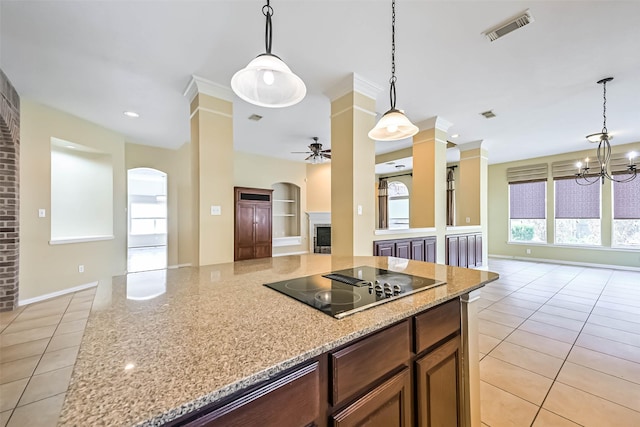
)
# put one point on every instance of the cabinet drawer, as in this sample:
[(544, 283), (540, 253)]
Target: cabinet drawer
[(361, 364), (436, 324)]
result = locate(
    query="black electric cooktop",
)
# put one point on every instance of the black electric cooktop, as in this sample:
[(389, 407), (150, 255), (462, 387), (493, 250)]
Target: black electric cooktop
[(344, 292)]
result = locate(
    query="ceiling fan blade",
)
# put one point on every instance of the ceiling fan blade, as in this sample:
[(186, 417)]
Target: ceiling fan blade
[(326, 156), (328, 150), (301, 152), (309, 157)]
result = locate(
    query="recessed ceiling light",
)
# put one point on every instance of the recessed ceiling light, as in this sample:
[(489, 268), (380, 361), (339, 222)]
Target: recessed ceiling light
[(131, 114), (488, 114), (455, 135)]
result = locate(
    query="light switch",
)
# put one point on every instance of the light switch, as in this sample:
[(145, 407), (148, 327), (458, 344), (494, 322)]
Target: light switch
[(468, 220), (216, 210), (359, 209), (42, 213)]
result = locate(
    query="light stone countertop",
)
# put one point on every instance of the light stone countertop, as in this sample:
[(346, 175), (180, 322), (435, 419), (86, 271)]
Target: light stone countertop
[(164, 343)]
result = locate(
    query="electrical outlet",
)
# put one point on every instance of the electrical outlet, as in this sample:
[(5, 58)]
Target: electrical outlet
[(42, 213), (81, 268), (216, 210), (528, 251), (468, 220), (359, 209)]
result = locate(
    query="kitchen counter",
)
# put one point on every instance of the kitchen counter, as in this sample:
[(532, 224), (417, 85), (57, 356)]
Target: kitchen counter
[(164, 343)]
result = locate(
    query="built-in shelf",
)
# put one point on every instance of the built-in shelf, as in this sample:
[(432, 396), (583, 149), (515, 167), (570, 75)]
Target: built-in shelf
[(286, 214), (284, 201), (287, 241)]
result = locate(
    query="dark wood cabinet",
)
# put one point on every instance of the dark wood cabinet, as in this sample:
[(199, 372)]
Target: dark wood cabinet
[(388, 405), (464, 250), (415, 248), (252, 223)]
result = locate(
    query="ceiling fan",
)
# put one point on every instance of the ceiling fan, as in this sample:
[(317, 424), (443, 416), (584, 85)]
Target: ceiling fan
[(316, 153)]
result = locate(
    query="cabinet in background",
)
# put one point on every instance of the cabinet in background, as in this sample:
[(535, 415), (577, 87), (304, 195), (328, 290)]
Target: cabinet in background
[(464, 250), (252, 223), (415, 248)]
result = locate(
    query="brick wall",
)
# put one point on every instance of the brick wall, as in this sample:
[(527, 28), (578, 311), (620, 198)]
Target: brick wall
[(9, 193)]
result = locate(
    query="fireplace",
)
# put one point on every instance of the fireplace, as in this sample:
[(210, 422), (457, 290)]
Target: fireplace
[(319, 232)]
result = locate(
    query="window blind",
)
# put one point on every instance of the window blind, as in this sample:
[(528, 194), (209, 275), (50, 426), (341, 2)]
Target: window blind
[(626, 199), (575, 201), (618, 164), (568, 169), (528, 173), (527, 200)]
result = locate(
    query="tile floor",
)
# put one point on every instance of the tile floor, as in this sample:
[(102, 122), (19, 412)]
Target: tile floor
[(560, 346), (146, 258)]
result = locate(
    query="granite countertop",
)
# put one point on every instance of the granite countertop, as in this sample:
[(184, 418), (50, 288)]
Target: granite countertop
[(163, 343)]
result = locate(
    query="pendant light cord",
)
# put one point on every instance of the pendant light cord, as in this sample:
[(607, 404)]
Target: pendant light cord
[(267, 11), (604, 109), (392, 80)]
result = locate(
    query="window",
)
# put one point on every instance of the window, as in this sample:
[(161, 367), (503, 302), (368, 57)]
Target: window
[(398, 194), (626, 213), (577, 213), (527, 212)]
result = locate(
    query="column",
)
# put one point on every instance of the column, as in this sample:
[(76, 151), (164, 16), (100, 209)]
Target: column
[(352, 166), (470, 359), (428, 197), (211, 171), (473, 189)]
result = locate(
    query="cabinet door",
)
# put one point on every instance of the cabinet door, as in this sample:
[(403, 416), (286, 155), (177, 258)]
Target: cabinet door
[(430, 250), (262, 231), (387, 405), (471, 250), (384, 248), (452, 250), (403, 249), (417, 250), (462, 251), (478, 250), (245, 230), (438, 386)]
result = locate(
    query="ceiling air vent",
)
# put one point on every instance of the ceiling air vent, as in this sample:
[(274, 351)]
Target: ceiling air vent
[(488, 114), (255, 117), (508, 26)]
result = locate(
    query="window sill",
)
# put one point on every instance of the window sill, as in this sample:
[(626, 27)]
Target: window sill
[(387, 231), (587, 247), (80, 239)]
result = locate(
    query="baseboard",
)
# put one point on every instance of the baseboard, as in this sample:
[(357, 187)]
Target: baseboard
[(563, 262), (179, 265), (57, 293), (290, 253)]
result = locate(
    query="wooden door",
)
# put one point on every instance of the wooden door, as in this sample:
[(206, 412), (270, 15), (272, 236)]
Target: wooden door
[(252, 237), (438, 386), (245, 231), (262, 231), (387, 405), (418, 250), (403, 249)]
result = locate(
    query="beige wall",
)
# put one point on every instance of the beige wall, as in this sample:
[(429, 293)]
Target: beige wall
[(499, 219), (171, 163), (256, 171), (46, 268), (319, 187)]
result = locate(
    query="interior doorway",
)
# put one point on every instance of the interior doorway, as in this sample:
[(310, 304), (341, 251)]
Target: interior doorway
[(147, 220)]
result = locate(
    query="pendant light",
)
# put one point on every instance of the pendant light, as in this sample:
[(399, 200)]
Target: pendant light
[(393, 125), (267, 81)]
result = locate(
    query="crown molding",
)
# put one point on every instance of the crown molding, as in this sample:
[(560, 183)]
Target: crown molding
[(473, 145), (436, 122), (354, 83), (201, 85)]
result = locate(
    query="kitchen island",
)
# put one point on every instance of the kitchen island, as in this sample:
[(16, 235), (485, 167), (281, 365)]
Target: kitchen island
[(159, 345)]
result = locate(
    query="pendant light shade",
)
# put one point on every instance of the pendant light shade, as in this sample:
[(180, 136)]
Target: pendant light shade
[(392, 126), (267, 81)]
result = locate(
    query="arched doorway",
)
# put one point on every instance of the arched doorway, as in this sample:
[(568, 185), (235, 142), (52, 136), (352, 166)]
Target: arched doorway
[(147, 219)]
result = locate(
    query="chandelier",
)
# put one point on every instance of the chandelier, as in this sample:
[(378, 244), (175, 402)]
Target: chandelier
[(603, 154)]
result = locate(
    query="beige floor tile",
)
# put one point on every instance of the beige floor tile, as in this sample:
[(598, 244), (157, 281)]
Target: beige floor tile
[(73, 326), (46, 385), (86, 292), (488, 296), (79, 306), (483, 303), (633, 302), (529, 297), (493, 329), (501, 318), (539, 343), (570, 305), (500, 408), (613, 348), (612, 334), (58, 342), (517, 302), (518, 381), (13, 338), (487, 343), (606, 386), (7, 316), (526, 358), (4, 417), (622, 325), (611, 365), (37, 314), (75, 315), (549, 331), (585, 300), (10, 393), (22, 325), (43, 413), (616, 314), (619, 307), (513, 310), (537, 290), (549, 419), (19, 351), (57, 359), (563, 322), (18, 369), (495, 291), (586, 409), (564, 312)]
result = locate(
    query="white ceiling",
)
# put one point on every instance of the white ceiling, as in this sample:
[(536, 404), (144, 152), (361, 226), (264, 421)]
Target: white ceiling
[(96, 59)]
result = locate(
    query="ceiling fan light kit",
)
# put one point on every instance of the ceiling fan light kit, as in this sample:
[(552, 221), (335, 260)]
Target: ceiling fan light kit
[(316, 153), (393, 125), (267, 81)]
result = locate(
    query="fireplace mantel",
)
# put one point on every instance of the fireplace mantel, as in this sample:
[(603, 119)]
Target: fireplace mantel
[(316, 218)]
